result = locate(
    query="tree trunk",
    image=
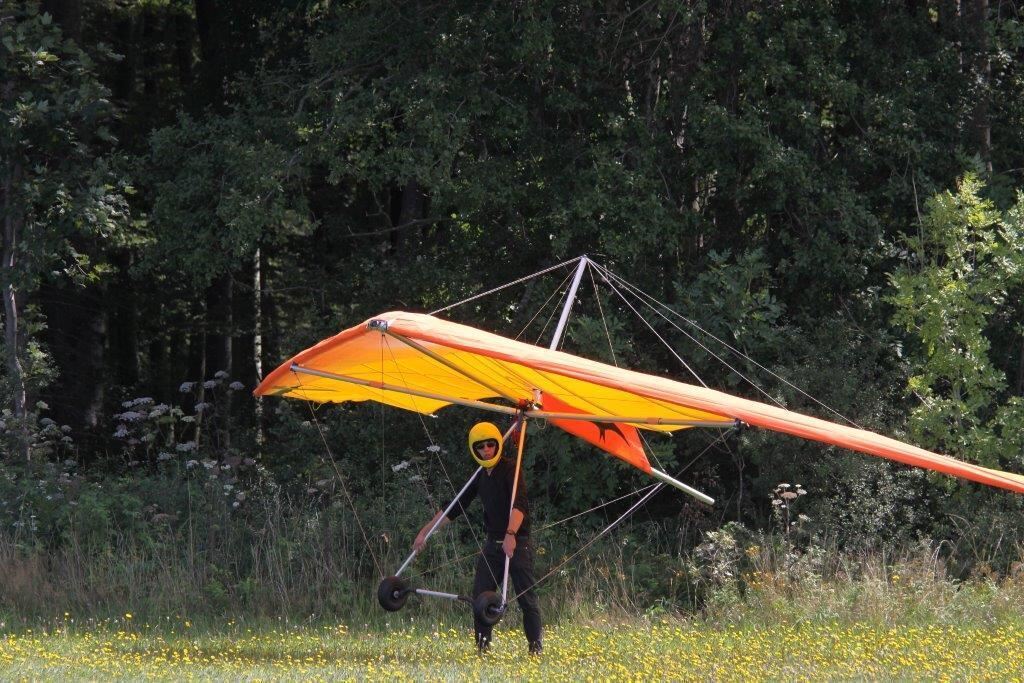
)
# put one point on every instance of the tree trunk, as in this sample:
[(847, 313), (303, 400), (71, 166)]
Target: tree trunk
[(220, 325), (68, 15), (197, 367), (257, 341), (94, 354), (123, 307), (157, 377), (210, 70), (980, 65), (12, 230), (410, 208), (1020, 371), (207, 21), (181, 36)]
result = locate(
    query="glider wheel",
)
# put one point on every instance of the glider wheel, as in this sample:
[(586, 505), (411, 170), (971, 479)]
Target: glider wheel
[(487, 608), (392, 593)]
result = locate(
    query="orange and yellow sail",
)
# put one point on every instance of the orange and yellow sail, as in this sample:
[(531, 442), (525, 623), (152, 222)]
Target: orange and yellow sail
[(421, 363)]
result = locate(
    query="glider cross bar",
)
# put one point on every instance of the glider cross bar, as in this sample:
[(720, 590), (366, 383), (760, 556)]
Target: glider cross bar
[(444, 514), (508, 410), (635, 420), (393, 591)]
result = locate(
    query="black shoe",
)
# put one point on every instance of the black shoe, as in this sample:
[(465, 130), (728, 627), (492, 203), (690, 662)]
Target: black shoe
[(535, 647)]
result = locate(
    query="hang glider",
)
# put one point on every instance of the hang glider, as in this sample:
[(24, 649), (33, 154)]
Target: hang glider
[(422, 363)]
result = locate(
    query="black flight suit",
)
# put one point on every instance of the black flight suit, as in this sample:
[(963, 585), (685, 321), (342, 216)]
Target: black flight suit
[(494, 488)]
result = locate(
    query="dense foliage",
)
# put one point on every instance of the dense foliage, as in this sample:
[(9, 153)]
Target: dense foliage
[(192, 193)]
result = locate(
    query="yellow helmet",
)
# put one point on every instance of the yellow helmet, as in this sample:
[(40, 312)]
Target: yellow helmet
[(485, 431)]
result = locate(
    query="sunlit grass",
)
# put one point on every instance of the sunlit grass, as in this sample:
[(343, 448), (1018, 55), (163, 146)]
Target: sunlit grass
[(670, 648)]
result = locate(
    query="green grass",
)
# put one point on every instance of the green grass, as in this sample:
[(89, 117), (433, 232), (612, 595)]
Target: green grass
[(667, 647), (872, 620)]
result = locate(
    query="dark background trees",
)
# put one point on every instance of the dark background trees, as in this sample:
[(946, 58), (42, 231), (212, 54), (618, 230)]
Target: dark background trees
[(192, 191)]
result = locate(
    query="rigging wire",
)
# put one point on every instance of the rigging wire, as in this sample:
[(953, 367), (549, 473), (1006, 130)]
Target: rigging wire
[(543, 306), (608, 336), (506, 285), (655, 488), (607, 333), (656, 334), (553, 312), (546, 526), (385, 341), (693, 339), (596, 507), (647, 298), (344, 488)]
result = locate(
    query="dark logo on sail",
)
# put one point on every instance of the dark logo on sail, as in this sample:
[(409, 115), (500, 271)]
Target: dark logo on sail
[(608, 426)]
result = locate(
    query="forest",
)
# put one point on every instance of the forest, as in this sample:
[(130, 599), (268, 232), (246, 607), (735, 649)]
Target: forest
[(193, 191)]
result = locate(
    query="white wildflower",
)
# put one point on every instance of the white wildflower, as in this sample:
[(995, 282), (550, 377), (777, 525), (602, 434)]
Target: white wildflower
[(209, 384), (185, 446), (400, 466), (191, 463), (186, 387), (164, 455), (433, 448), (236, 386), (220, 374)]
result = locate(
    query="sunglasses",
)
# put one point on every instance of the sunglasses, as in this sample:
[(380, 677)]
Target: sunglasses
[(487, 443)]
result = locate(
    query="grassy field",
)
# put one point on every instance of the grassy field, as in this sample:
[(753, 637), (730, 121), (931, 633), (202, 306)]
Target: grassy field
[(670, 648), (903, 620)]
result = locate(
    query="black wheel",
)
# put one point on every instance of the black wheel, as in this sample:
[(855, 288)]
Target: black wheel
[(487, 608), (392, 593)]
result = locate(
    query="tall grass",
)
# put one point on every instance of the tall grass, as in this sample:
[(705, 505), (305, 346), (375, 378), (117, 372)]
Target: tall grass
[(296, 561)]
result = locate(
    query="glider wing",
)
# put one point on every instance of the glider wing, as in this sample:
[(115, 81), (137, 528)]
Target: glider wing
[(422, 363)]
